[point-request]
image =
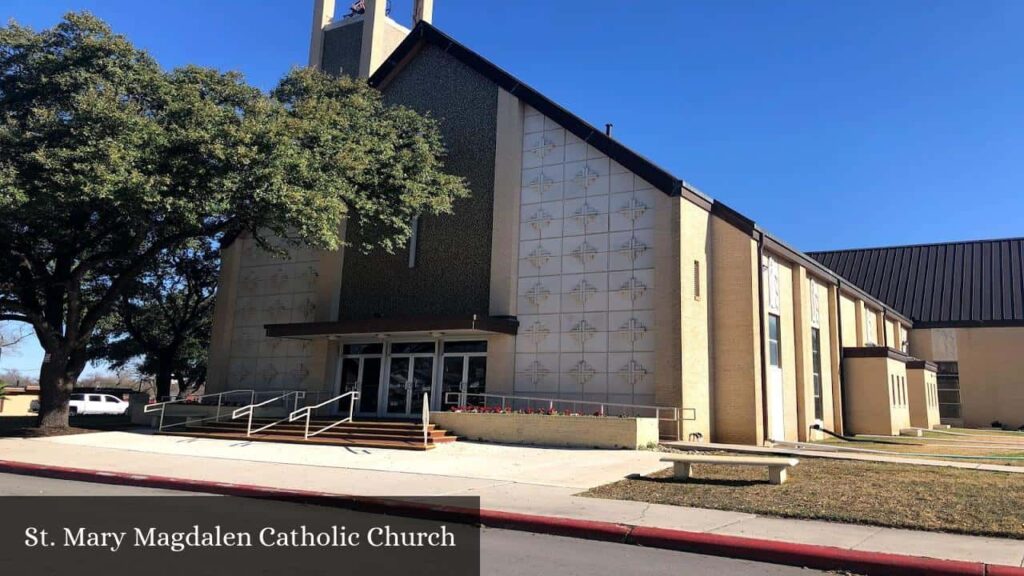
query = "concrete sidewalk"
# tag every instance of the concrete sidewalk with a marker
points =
(528, 480)
(840, 453)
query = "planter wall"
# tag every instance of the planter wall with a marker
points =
(544, 430)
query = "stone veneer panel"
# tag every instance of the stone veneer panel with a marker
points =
(586, 272)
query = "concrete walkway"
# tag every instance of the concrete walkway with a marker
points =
(840, 453)
(514, 479)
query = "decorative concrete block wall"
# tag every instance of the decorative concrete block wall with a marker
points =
(586, 272)
(270, 291)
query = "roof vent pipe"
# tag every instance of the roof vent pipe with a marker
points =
(608, 130)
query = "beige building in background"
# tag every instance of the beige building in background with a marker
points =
(966, 300)
(577, 271)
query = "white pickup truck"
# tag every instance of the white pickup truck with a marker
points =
(91, 404)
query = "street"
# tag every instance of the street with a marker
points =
(504, 552)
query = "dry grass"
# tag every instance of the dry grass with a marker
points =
(942, 449)
(894, 495)
(976, 432)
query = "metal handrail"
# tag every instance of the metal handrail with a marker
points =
(161, 406)
(425, 416)
(673, 413)
(248, 410)
(308, 410)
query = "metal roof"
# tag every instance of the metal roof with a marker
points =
(975, 283)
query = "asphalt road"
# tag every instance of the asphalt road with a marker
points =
(504, 552)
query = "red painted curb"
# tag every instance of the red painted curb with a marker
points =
(588, 529)
(805, 555)
(770, 551)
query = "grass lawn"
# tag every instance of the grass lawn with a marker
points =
(894, 495)
(24, 426)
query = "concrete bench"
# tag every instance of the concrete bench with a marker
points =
(777, 467)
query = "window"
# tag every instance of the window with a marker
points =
(109, 399)
(819, 402)
(870, 332)
(465, 346)
(892, 388)
(774, 341)
(412, 348)
(78, 397)
(948, 389)
(696, 279)
(363, 349)
(414, 233)
(815, 303)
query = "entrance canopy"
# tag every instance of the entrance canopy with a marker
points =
(444, 325)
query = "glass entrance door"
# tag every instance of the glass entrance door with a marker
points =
(360, 371)
(464, 368)
(410, 375)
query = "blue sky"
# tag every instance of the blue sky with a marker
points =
(834, 124)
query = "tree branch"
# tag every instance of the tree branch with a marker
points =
(14, 318)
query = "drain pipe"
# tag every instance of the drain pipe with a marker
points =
(885, 333)
(842, 351)
(760, 321)
(852, 439)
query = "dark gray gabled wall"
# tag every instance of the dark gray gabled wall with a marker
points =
(452, 272)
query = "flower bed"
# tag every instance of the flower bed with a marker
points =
(542, 411)
(548, 428)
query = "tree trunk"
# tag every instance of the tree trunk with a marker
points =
(57, 378)
(164, 373)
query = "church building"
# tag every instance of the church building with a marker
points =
(576, 270)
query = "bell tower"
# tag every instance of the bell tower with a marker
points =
(358, 42)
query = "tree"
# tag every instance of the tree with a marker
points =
(107, 161)
(165, 320)
(11, 335)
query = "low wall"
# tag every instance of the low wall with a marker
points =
(16, 404)
(545, 430)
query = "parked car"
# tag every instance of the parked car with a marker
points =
(90, 404)
(97, 404)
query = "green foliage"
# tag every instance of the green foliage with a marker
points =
(164, 320)
(107, 161)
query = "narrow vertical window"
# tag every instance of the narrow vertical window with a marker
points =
(696, 279)
(414, 233)
(819, 402)
(774, 341)
(892, 388)
(948, 390)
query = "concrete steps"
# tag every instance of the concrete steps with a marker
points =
(366, 434)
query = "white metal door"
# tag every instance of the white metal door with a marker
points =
(776, 405)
